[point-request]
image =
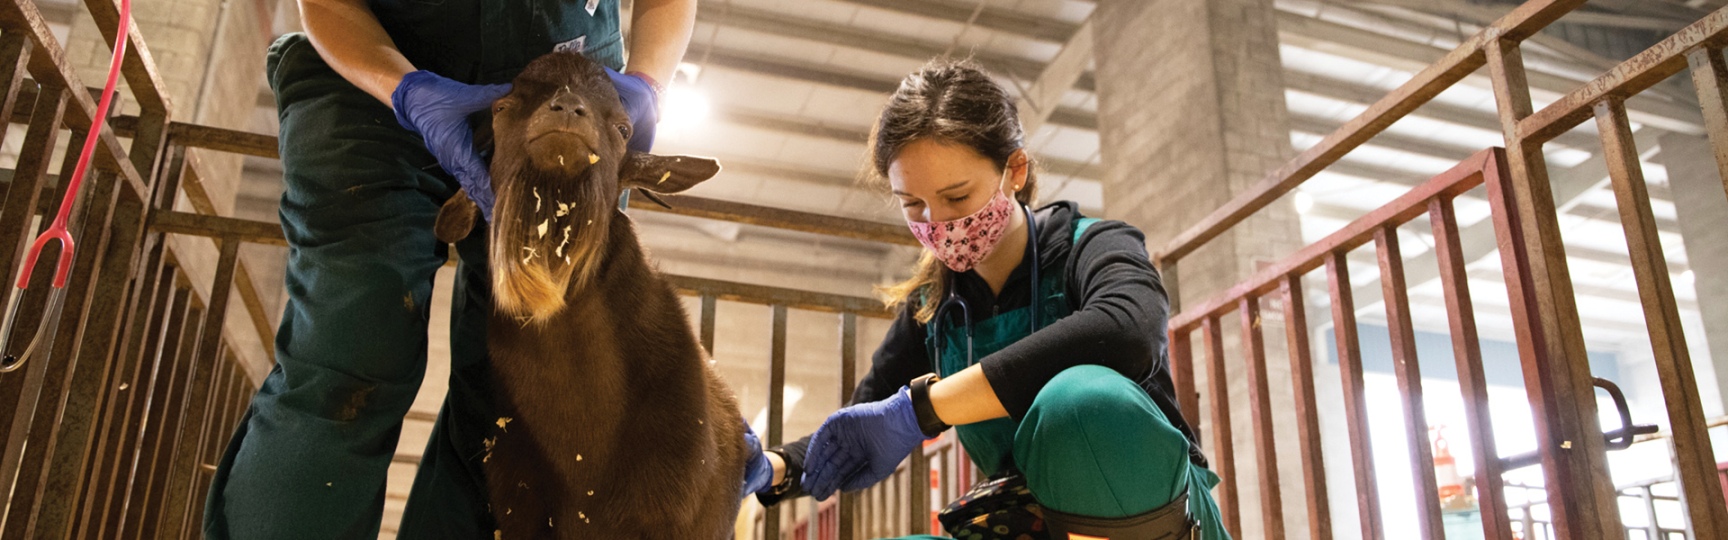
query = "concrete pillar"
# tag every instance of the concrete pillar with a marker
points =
(1191, 114)
(1702, 210)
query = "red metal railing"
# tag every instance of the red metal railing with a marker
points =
(1282, 282)
(1551, 347)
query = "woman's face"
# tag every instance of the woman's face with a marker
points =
(940, 181)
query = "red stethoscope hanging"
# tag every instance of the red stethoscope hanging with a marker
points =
(57, 230)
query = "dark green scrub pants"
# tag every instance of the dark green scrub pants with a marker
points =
(1093, 443)
(310, 458)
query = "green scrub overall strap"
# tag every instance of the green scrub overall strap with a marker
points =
(1080, 226)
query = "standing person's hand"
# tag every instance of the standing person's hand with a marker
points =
(642, 101)
(437, 109)
(858, 446)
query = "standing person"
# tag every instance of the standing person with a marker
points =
(1039, 335)
(373, 100)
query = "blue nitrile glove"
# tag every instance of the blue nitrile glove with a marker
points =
(758, 472)
(437, 109)
(641, 104)
(858, 446)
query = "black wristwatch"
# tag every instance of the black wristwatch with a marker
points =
(928, 422)
(785, 482)
(788, 476)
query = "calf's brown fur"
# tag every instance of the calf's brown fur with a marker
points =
(612, 425)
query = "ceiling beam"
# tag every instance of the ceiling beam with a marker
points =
(781, 23)
(1610, 293)
(1377, 173)
(1485, 15)
(1044, 96)
(793, 125)
(1016, 67)
(1371, 309)
(791, 69)
(1478, 240)
(768, 22)
(1359, 94)
(1612, 213)
(791, 172)
(834, 76)
(1437, 148)
(993, 18)
(1330, 37)
(1614, 257)
(861, 135)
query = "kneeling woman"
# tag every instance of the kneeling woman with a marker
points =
(1037, 334)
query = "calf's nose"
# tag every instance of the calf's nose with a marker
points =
(567, 103)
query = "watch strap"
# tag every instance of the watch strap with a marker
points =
(928, 422)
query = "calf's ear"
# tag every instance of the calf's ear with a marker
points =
(456, 218)
(665, 174)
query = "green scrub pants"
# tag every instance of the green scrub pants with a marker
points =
(1094, 444)
(310, 458)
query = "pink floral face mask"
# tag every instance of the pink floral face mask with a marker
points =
(962, 243)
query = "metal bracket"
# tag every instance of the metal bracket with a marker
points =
(1619, 439)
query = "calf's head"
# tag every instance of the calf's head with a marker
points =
(558, 166)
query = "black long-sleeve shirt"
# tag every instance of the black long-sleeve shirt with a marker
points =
(1119, 318)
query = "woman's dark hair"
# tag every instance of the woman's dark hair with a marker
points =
(955, 102)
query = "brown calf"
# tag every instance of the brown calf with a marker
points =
(612, 425)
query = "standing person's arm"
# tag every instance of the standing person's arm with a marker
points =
(659, 33)
(350, 39)
(348, 36)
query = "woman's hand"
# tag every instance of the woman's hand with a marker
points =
(858, 446)
(758, 471)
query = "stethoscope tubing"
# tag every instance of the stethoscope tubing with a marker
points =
(953, 298)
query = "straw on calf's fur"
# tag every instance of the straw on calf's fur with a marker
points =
(612, 425)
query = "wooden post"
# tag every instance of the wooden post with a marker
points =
(1355, 396)
(1545, 319)
(1307, 411)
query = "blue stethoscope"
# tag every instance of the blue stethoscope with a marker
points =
(954, 298)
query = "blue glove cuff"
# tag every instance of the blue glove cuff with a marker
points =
(398, 98)
(642, 104)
